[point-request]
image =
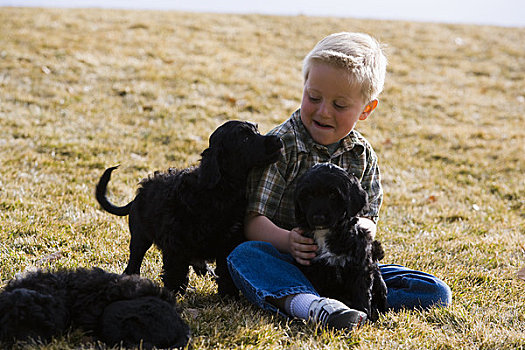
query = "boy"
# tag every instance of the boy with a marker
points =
(343, 76)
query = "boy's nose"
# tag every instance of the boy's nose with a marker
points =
(324, 110)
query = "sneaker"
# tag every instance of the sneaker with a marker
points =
(333, 314)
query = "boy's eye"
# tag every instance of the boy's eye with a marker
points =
(314, 99)
(339, 106)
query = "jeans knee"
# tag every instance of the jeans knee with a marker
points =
(436, 294)
(443, 294)
(248, 248)
(249, 245)
(414, 289)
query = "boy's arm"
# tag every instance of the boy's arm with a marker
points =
(259, 228)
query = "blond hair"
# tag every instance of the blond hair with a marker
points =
(359, 54)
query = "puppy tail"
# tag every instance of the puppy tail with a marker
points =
(100, 194)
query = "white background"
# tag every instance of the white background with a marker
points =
(491, 12)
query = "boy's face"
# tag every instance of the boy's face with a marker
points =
(331, 106)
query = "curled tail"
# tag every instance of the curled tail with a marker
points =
(100, 193)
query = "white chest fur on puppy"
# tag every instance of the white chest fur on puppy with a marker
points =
(323, 253)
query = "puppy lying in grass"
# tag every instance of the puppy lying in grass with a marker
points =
(115, 309)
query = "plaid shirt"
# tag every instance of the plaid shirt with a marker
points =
(271, 189)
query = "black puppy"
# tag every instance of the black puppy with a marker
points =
(196, 214)
(116, 309)
(327, 200)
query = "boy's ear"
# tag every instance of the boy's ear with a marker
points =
(369, 108)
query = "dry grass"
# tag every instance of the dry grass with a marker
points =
(81, 90)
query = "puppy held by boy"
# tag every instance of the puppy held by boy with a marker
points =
(327, 202)
(194, 215)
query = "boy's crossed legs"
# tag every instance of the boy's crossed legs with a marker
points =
(270, 280)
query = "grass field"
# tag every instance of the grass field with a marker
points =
(81, 90)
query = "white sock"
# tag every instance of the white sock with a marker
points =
(298, 305)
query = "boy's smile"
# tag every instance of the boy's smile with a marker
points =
(331, 105)
(325, 126)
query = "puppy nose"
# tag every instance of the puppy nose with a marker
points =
(319, 219)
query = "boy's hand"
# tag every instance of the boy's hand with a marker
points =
(303, 249)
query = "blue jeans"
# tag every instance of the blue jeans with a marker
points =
(260, 271)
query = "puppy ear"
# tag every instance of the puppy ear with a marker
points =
(209, 172)
(299, 215)
(357, 198)
(300, 218)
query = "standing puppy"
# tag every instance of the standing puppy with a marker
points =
(327, 201)
(195, 214)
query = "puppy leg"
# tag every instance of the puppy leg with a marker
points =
(226, 287)
(358, 294)
(175, 274)
(138, 245)
(201, 267)
(379, 292)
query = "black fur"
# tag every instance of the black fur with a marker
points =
(115, 309)
(327, 201)
(196, 214)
